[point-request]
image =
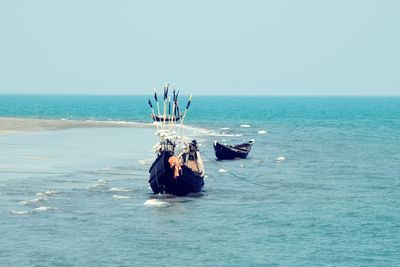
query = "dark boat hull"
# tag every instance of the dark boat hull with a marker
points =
(162, 178)
(229, 152)
(167, 118)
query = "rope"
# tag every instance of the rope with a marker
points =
(235, 175)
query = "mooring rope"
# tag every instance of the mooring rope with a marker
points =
(234, 174)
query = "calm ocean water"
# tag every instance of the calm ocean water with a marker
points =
(334, 200)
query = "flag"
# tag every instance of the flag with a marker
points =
(188, 104)
(155, 96)
(151, 106)
(166, 92)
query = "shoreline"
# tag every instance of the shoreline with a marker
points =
(12, 125)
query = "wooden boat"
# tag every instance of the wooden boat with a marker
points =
(223, 151)
(173, 172)
(171, 179)
(167, 118)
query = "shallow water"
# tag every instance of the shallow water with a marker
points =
(320, 187)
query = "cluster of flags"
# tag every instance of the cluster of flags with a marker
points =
(168, 116)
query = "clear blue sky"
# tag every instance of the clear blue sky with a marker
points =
(337, 47)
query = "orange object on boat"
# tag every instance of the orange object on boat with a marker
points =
(174, 162)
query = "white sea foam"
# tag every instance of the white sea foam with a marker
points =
(221, 170)
(281, 158)
(146, 161)
(43, 208)
(262, 132)
(20, 212)
(99, 183)
(155, 203)
(98, 186)
(245, 126)
(119, 189)
(221, 134)
(33, 201)
(25, 202)
(196, 131)
(120, 197)
(46, 193)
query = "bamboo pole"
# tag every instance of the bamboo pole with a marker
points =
(184, 114)
(152, 113)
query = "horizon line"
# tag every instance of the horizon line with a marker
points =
(216, 95)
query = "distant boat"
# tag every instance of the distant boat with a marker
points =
(167, 118)
(223, 151)
(174, 172)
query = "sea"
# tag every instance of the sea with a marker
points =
(321, 186)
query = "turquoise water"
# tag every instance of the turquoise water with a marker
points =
(334, 200)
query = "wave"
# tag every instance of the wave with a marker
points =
(46, 193)
(100, 184)
(121, 197)
(221, 134)
(155, 203)
(262, 132)
(245, 126)
(33, 201)
(198, 131)
(146, 161)
(118, 189)
(20, 212)
(44, 208)
(281, 158)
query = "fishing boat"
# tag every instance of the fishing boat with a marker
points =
(224, 151)
(167, 118)
(177, 174)
(178, 168)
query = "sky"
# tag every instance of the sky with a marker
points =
(218, 47)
